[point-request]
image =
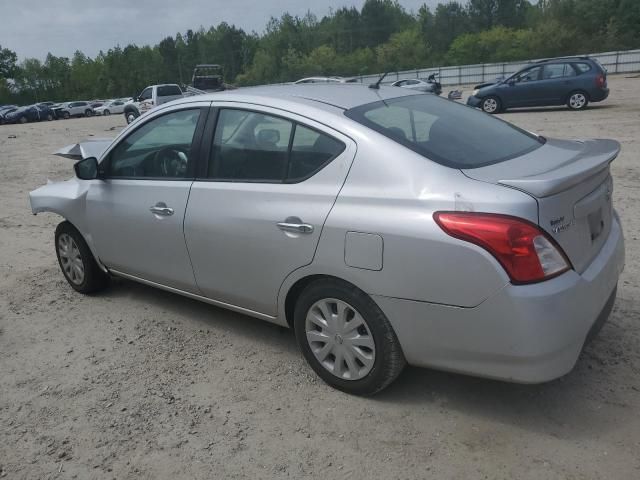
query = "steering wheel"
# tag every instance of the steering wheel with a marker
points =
(171, 161)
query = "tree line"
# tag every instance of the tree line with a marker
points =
(380, 36)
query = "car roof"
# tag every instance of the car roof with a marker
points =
(327, 96)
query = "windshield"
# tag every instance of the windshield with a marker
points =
(444, 131)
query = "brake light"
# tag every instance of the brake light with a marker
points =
(600, 80)
(526, 252)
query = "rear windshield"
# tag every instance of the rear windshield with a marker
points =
(444, 131)
(169, 90)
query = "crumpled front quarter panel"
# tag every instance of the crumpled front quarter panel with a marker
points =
(67, 199)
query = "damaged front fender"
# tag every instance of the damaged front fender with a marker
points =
(69, 200)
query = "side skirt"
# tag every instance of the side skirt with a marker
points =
(210, 301)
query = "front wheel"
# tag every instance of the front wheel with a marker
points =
(23, 120)
(130, 116)
(66, 115)
(491, 105)
(107, 112)
(76, 260)
(88, 113)
(346, 338)
(577, 101)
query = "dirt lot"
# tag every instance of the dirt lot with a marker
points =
(138, 383)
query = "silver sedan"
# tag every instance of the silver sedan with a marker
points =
(385, 227)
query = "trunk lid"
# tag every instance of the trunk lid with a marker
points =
(571, 182)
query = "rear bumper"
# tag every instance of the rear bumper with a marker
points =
(599, 95)
(527, 333)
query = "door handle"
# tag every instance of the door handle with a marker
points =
(161, 209)
(295, 227)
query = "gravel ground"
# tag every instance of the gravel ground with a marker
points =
(139, 383)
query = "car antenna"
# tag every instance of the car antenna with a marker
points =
(376, 86)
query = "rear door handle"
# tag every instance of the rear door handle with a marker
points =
(161, 209)
(295, 227)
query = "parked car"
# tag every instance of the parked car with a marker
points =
(480, 248)
(116, 106)
(149, 98)
(29, 113)
(326, 80)
(431, 85)
(573, 81)
(5, 109)
(45, 111)
(73, 109)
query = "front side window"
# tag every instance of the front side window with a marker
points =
(255, 147)
(448, 133)
(146, 94)
(161, 148)
(530, 75)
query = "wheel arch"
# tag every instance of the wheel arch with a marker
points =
(293, 292)
(577, 90)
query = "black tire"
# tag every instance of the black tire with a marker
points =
(66, 115)
(107, 112)
(49, 117)
(577, 100)
(491, 104)
(389, 360)
(23, 120)
(130, 116)
(88, 113)
(94, 279)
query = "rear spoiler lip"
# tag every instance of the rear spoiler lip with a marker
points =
(594, 158)
(570, 162)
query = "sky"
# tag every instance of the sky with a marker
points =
(32, 28)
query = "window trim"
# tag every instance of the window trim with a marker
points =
(207, 148)
(195, 150)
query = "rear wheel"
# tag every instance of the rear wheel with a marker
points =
(23, 120)
(491, 105)
(577, 100)
(76, 260)
(88, 113)
(66, 115)
(49, 117)
(346, 338)
(107, 112)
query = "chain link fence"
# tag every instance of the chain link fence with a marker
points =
(615, 62)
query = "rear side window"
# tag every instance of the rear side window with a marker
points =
(448, 133)
(582, 67)
(169, 90)
(254, 147)
(558, 70)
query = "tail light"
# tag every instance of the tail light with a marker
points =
(526, 252)
(601, 80)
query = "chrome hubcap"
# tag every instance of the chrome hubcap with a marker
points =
(577, 100)
(70, 259)
(490, 105)
(340, 339)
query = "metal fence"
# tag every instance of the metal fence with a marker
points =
(615, 62)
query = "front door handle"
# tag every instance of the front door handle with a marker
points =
(161, 209)
(295, 227)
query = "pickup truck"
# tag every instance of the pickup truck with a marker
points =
(150, 97)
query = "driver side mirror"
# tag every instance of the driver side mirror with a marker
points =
(511, 82)
(87, 169)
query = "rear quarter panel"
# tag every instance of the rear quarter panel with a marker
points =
(393, 192)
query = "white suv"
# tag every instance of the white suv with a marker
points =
(74, 109)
